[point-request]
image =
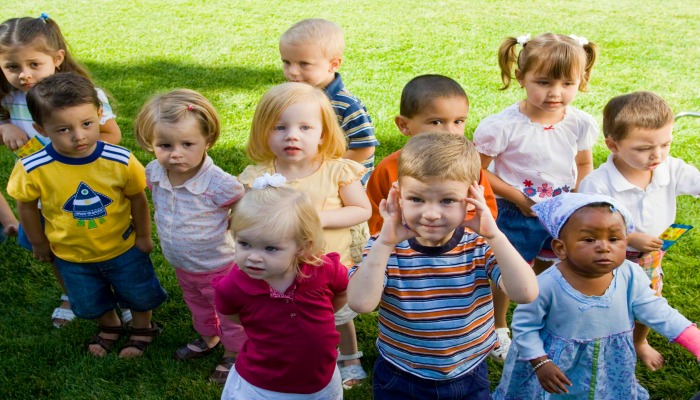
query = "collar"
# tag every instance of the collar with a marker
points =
(433, 251)
(660, 177)
(198, 184)
(75, 161)
(335, 87)
(258, 287)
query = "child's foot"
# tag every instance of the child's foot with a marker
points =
(649, 356)
(62, 314)
(351, 372)
(100, 344)
(500, 352)
(222, 370)
(194, 349)
(139, 339)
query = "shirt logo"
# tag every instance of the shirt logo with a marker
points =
(87, 206)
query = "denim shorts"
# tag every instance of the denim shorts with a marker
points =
(96, 288)
(527, 234)
(391, 383)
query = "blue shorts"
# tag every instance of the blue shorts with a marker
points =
(391, 383)
(527, 234)
(96, 288)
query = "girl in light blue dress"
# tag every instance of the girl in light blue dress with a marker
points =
(575, 339)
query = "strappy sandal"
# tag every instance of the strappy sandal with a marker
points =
(106, 344)
(219, 376)
(65, 314)
(138, 344)
(353, 372)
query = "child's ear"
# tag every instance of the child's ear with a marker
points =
(559, 249)
(335, 64)
(39, 129)
(402, 123)
(58, 58)
(519, 77)
(612, 145)
(99, 112)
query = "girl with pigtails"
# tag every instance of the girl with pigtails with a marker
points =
(539, 147)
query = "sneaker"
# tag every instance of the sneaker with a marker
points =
(500, 352)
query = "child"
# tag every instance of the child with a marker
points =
(575, 340)
(312, 51)
(32, 49)
(642, 177)
(540, 146)
(434, 103)
(192, 198)
(429, 270)
(294, 133)
(96, 213)
(8, 222)
(284, 291)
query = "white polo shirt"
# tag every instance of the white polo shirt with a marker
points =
(653, 209)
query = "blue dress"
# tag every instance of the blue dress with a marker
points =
(588, 337)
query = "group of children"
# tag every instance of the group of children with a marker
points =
(275, 264)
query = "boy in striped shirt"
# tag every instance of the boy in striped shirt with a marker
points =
(429, 270)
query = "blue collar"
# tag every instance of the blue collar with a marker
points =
(335, 87)
(75, 161)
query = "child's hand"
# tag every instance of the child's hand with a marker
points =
(643, 242)
(482, 222)
(144, 243)
(552, 379)
(13, 137)
(393, 230)
(525, 206)
(10, 230)
(42, 251)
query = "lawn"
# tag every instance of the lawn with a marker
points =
(228, 51)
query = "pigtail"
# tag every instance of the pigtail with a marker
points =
(55, 38)
(591, 56)
(507, 58)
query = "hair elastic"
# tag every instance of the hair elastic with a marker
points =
(523, 39)
(579, 39)
(44, 16)
(274, 180)
(190, 107)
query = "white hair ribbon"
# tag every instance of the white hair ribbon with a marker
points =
(523, 39)
(579, 39)
(275, 180)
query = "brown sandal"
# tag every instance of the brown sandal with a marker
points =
(106, 344)
(219, 376)
(141, 345)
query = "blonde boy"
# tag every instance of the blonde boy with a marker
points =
(312, 52)
(640, 174)
(429, 271)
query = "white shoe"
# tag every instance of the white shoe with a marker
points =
(499, 353)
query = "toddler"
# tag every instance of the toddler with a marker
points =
(640, 174)
(429, 271)
(192, 198)
(283, 290)
(97, 221)
(294, 133)
(575, 340)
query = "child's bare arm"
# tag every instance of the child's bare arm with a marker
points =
(141, 218)
(367, 283)
(7, 218)
(340, 300)
(356, 208)
(584, 165)
(30, 216)
(550, 376)
(12, 136)
(505, 190)
(359, 154)
(518, 280)
(643, 242)
(110, 132)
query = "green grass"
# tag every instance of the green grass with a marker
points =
(228, 51)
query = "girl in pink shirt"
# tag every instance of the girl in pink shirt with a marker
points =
(192, 198)
(284, 291)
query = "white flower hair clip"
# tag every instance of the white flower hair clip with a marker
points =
(579, 39)
(275, 180)
(523, 39)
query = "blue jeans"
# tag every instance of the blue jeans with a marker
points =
(391, 383)
(526, 234)
(95, 288)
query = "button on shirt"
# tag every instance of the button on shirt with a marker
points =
(192, 218)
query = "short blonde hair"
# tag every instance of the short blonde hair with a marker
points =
(287, 212)
(173, 107)
(644, 110)
(435, 156)
(272, 105)
(325, 34)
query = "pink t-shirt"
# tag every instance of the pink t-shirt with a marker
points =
(292, 340)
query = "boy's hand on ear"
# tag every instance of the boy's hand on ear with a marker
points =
(482, 222)
(393, 230)
(13, 137)
(643, 242)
